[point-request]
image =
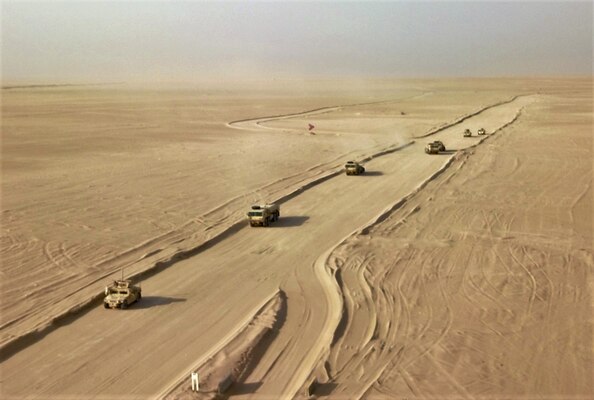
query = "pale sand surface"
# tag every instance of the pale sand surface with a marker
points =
(94, 180)
(478, 285)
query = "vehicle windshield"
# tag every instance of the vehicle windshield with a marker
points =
(255, 213)
(114, 291)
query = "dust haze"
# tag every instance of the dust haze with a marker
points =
(197, 41)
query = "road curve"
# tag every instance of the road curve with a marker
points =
(193, 305)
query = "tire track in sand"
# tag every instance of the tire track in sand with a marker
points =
(379, 355)
(257, 123)
(159, 252)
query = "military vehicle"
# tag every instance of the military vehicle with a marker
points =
(440, 144)
(434, 147)
(263, 215)
(481, 132)
(354, 168)
(467, 133)
(121, 293)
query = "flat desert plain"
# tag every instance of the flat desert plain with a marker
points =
(465, 274)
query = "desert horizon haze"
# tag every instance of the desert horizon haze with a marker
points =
(187, 41)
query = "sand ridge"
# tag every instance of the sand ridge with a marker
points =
(360, 317)
(162, 248)
(420, 281)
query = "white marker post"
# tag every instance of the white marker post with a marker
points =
(195, 386)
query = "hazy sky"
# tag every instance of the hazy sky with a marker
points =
(139, 40)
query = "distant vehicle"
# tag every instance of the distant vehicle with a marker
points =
(263, 215)
(354, 168)
(434, 147)
(440, 144)
(467, 133)
(481, 132)
(121, 293)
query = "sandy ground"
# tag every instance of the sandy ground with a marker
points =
(461, 275)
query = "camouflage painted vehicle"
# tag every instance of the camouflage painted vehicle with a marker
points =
(435, 147)
(263, 215)
(121, 293)
(354, 168)
(467, 133)
(481, 132)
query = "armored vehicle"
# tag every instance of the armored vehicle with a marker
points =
(434, 147)
(354, 168)
(467, 133)
(263, 215)
(440, 144)
(121, 293)
(481, 132)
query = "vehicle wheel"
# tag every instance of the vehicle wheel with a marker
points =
(105, 305)
(124, 305)
(139, 296)
(266, 222)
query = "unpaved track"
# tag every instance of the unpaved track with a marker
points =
(256, 124)
(90, 209)
(480, 285)
(139, 352)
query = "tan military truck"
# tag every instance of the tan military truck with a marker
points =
(121, 293)
(467, 133)
(263, 215)
(434, 147)
(354, 168)
(481, 132)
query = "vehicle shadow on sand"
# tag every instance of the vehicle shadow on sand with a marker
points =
(154, 301)
(325, 389)
(372, 173)
(293, 220)
(245, 388)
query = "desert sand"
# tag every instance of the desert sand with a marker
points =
(466, 274)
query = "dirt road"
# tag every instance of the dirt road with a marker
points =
(194, 305)
(480, 285)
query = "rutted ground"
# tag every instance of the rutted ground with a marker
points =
(97, 180)
(204, 302)
(247, 267)
(480, 284)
